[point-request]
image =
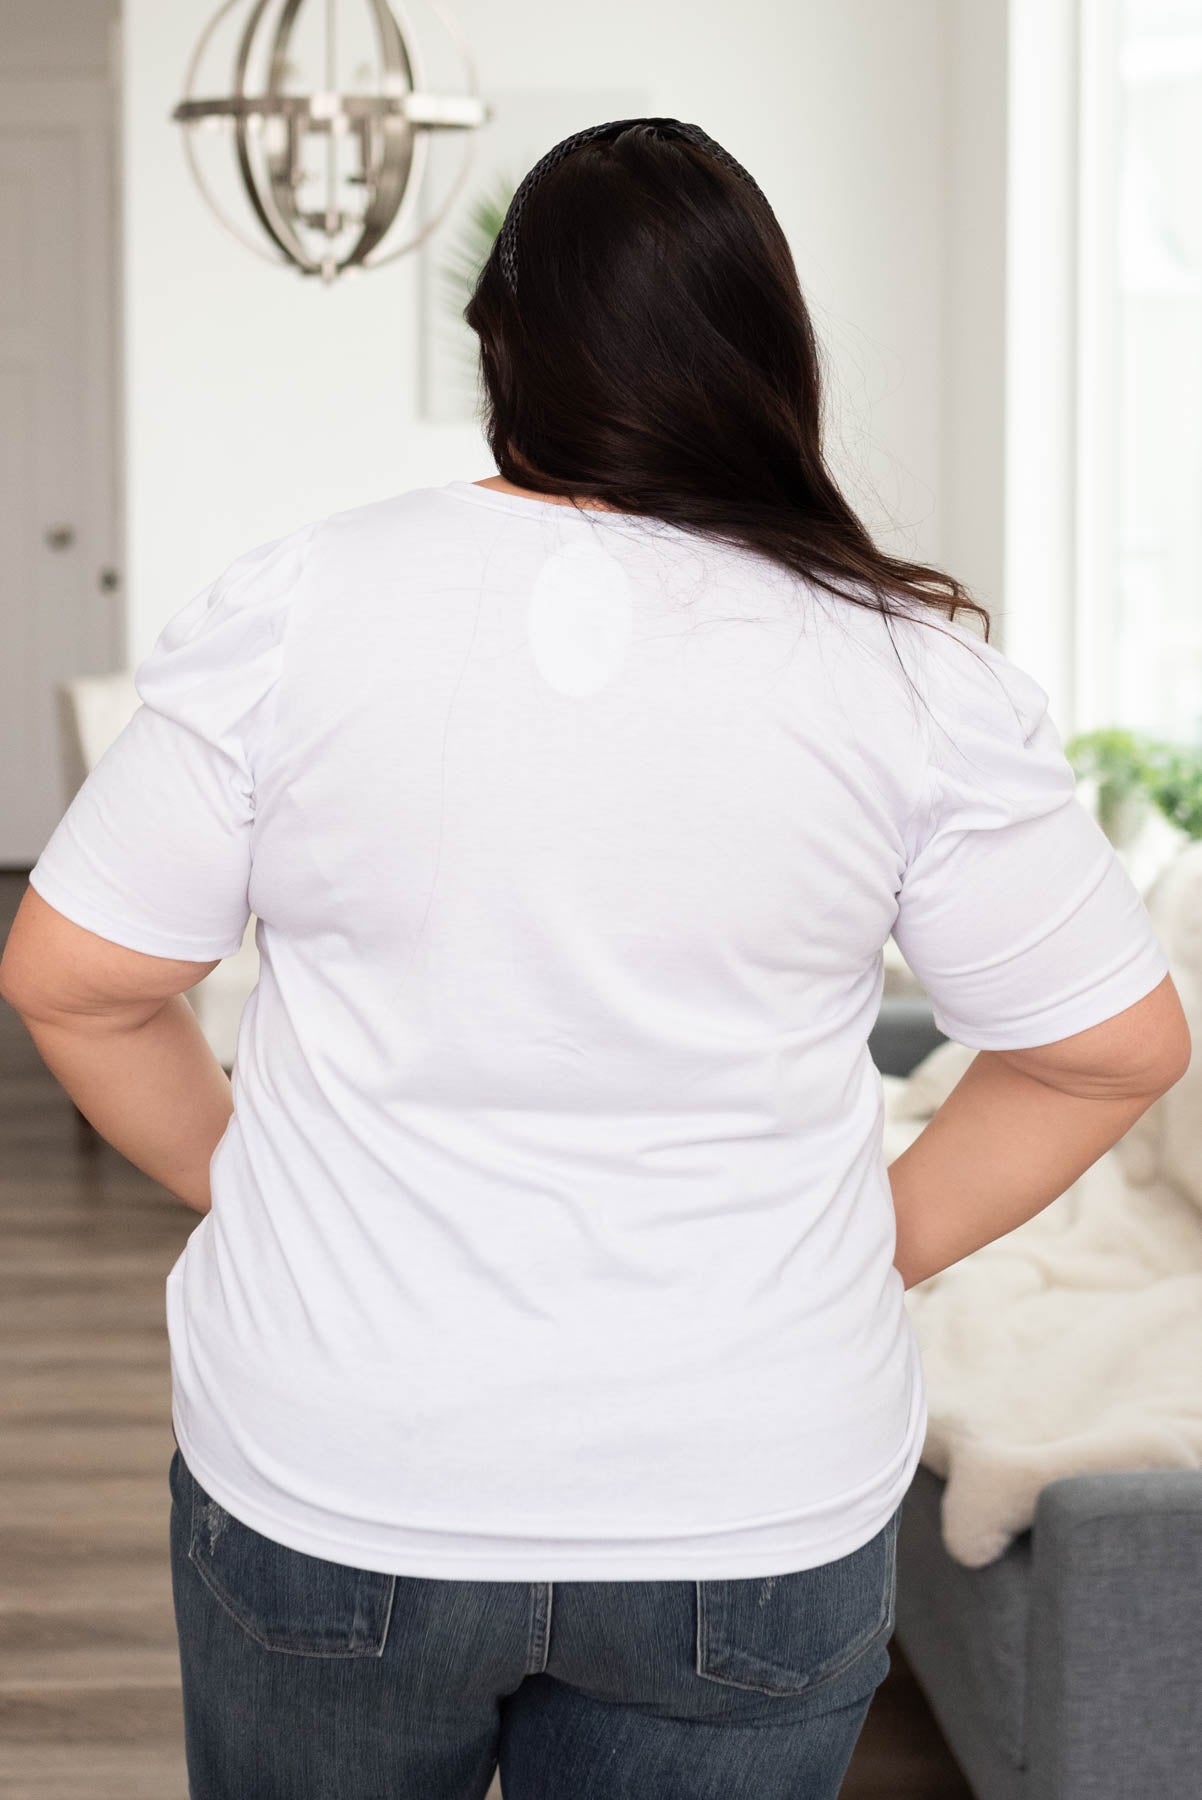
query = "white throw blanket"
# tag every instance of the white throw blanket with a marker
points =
(1074, 1344)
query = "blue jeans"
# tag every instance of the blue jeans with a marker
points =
(310, 1680)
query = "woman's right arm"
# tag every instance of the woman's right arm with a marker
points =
(1022, 1125)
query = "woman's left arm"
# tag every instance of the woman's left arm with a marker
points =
(113, 1027)
(144, 884)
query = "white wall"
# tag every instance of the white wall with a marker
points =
(1042, 341)
(256, 400)
(971, 520)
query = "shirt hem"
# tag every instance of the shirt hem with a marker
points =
(655, 1559)
(1102, 1003)
(561, 1564)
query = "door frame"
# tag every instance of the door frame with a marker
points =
(90, 106)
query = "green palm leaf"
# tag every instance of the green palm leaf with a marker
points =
(475, 239)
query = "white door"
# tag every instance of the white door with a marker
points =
(60, 611)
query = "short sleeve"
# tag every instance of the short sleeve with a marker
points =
(154, 851)
(1015, 912)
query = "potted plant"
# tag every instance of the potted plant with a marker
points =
(1132, 773)
(1173, 778)
(1116, 761)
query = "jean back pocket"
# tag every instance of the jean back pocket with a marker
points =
(284, 1599)
(789, 1634)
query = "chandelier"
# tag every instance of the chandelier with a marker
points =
(329, 168)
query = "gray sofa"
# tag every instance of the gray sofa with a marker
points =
(1070, 1668)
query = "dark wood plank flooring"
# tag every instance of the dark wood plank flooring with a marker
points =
(89, 1680)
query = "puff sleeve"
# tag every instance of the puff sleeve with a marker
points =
(154, 851)
(1015, 912)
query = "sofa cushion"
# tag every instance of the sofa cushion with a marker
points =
(964, 1631)
(905, 1032)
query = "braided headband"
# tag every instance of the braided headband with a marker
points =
(691, 134)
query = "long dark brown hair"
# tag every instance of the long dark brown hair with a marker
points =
(644, 343)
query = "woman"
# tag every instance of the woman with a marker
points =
(543, 1385)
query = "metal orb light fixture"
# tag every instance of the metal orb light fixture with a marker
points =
(328, 173)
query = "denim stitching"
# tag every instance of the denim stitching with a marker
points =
(383, 1645)
(243, 1621)
(186, 1472)
(807, 1684)
(540, 1626)
(550, 1603)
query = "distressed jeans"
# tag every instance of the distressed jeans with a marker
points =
(311, 1680)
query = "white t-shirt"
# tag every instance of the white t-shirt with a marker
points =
(552, 1236)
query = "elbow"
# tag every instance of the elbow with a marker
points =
(1138, 1054)
(24, 982)
(1178, 1055)
(1169, 1046)
(12, 984)
(1163, 1062)
(25, 998)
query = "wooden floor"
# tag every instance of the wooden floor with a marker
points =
(89, 1691)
